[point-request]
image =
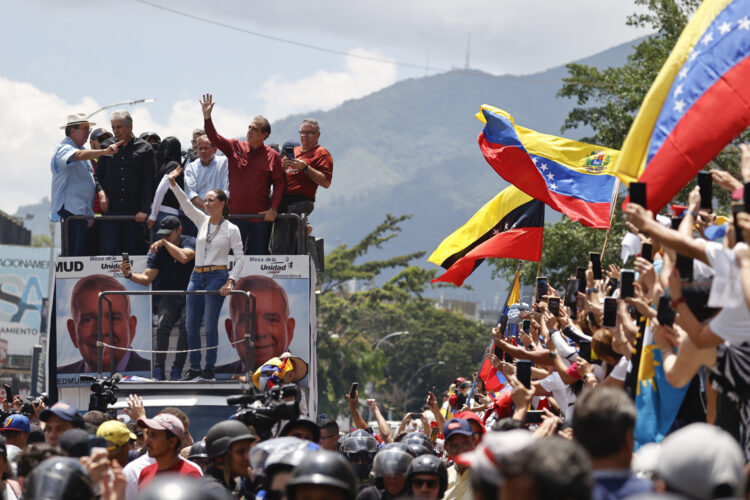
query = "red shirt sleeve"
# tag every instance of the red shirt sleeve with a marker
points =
(225, 145)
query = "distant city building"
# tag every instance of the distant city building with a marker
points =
(12, 231)
(467, 308)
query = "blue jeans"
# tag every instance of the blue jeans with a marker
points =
(207, 308)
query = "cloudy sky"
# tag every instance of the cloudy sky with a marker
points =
(80, 55)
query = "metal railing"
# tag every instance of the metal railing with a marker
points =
(300, 220)
(251, 322)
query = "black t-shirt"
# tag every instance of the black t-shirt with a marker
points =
(173, 275)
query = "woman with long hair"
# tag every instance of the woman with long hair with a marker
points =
(216, 237)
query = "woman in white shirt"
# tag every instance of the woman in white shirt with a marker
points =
(216, 237)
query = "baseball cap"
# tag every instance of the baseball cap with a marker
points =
(169, 224)
(78, 442)
(702, 461)
(163, 422)
(63, 410)
(100, 133)
(457, 426)
(485, 458)
(115, 432)
(16, 422)
(470, 415)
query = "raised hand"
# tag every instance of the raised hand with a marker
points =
(207, 105)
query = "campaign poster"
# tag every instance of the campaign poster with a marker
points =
(284, 287)
(78, 282)
(24, 285)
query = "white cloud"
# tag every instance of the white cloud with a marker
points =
(326, 89)
(29, 131)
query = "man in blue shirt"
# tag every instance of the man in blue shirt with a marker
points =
(205, 173)
(171, 259)
(73, 184)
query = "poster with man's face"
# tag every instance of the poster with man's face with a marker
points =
(125, 320)
(281, 286)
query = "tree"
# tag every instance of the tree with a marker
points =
(40, 240)
(350, 324)
(607, 101)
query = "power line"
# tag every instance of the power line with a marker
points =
(376, 59)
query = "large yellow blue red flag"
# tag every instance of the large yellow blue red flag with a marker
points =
(570, 176)
(698, 103)
(511, 225)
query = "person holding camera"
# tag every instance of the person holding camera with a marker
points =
(306, 167)
(216, 237)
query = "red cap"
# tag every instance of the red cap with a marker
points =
(452, 399)
(470, 416)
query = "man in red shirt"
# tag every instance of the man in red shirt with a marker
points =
(310, 166)
(164, 435)
(253, 169)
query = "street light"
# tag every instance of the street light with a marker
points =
(124, 103)
(394, 334)
(408, 384)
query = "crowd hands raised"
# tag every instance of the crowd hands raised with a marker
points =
(125, 175)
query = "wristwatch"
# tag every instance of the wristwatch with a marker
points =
(304, 169)
(552, 354)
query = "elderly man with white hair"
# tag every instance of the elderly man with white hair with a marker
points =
(127, 177)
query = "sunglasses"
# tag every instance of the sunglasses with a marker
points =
(430, 483)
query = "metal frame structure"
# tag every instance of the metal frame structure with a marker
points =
(251, 321)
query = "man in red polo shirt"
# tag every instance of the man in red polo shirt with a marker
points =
(164, 435)
(253, 169)
(312, 166)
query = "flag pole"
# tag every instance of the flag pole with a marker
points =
(492, 341)
(612, 206)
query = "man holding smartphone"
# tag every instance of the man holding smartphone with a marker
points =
(311, 166)
(172, 257)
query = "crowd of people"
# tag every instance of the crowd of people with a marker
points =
(127, 176)
(618, 383)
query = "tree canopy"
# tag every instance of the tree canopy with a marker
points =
(439, 344)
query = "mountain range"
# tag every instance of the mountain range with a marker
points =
(411, 148)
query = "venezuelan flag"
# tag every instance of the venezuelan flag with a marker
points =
(493, 379)
(570, 176)
(698, 103)
(511, 225)
(656, 401)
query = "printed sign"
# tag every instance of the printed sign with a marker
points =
(125, 319)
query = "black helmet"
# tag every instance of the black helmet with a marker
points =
(221, 436)
(428, 464)
(302, 422)
(175, 487)
(285, 459)
(419, 444)
(198, 450)
(324, 468)
(391, 461)
(59, 478)
(399, 445)
(359, 447)
(359, 441)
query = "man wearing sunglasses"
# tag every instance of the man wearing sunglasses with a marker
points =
(427, 477)
(306, 166)
(73, 184)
